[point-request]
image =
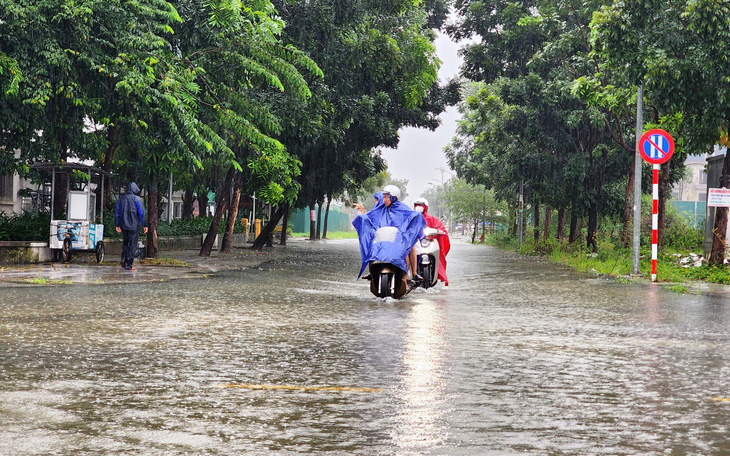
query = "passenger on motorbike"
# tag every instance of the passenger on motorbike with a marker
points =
(388, 211)
(421, 205)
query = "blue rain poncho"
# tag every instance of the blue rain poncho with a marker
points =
(390, 246)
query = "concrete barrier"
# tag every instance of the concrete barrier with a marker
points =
(19, 252)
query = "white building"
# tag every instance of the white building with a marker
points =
(695, 187)
(10, 201)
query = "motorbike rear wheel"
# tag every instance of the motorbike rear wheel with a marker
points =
(384, 285)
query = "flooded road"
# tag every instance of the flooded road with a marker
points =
(518, 356)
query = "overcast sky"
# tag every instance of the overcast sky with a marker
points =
(421, 152)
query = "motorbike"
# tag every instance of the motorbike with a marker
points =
(428, 252)
(386, 279)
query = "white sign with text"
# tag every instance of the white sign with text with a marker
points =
(718, 197)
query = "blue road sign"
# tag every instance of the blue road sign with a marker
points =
(656, 146)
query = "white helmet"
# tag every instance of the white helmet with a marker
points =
(421, 201)
(392, 190)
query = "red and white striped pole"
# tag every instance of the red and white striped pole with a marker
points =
(654, 218)
(656, 147)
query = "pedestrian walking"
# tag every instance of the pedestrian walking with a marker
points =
(129, 217)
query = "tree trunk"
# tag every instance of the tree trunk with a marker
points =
(573, 231)
(719, 238)
(663, 195)
(284, 225)
(717, 255)
(560, 235)
(202, 202)
(60, 195)
(546, 226)
(312, 222)
(319, 220)
(159, 204)
(326, 218)
(628, 212)
(187, 208)
(152, 246)
(536, 222)
(220, 207)
(232, 215)
(260, 241)
(591, 241)
(515, 221)
(474, 231)
(107, 164)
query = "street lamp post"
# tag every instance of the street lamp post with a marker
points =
(443, 200)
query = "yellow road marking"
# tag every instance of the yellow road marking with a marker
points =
(720, 399)
(301, 388)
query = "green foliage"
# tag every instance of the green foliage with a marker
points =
(613, 260)
(10, 75)
(43, 281)
(712, 274)
(679, 289)
(467, 202)
(166, 86)
(27, 226)
(178, 227)
(380, 72)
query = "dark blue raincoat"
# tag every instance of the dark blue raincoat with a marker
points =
(410, 225)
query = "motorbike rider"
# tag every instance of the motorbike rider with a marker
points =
(389, 211)
(421, 205)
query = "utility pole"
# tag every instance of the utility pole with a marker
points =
(637, 180)
(169, 201)
(522, 200)
(443, 200)
(253, 211)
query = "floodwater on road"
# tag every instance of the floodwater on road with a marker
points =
(518, 356)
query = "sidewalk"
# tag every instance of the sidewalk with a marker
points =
(176, 264)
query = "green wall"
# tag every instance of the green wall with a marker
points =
(336, 221)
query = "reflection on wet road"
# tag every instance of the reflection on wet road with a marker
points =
(518, 356)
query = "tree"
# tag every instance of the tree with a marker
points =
(529, 124)
(677, 44)
(472, 204)
(380, 75)
(67, 61)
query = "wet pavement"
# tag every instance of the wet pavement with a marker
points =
(293, 356)
(176, 264)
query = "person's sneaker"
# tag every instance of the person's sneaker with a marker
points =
(418, 278)
(123, 265)
(133, 268)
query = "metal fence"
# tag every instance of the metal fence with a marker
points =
(694, 211)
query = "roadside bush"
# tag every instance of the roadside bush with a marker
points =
(713, 274)
(678, 233)
(544, 247)
(32, 226)
(27, 226)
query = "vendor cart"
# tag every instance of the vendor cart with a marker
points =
(79, 231)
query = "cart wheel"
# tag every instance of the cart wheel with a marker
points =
(66, 251)
(100, 251)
